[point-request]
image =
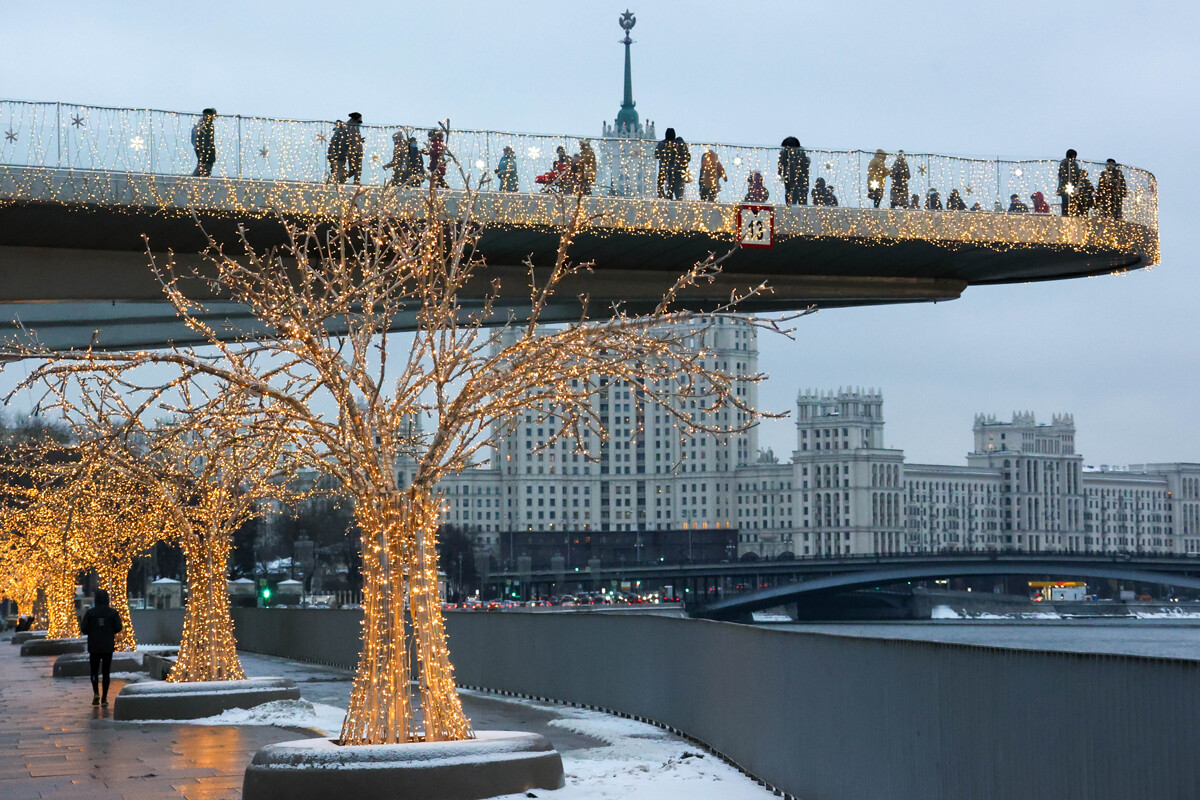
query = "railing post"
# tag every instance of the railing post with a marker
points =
(239, 146)
(58, 131)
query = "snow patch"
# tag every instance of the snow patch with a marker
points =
(763, 616)
(326, 720)
(944, 612)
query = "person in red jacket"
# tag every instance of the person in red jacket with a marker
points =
(100, 624)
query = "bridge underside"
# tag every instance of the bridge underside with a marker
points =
(75, 269)
(739, 607)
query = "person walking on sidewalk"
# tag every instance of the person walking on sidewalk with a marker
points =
(100, 624)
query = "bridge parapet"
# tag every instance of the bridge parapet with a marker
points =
(74, 153)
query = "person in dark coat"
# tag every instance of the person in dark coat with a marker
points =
(822, 195)
(673, 157)
(955, 202)
(756, 190)
(900, 176)
(1017, 206)
(414, 167)
(793, 170)
(337, 152)
(712, 172)
(933, 200)
(354, 148)
(100, 624)
(204, 141)
(914, 202)
(1068, 182)
(1111, 190)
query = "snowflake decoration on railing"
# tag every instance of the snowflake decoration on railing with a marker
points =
(137, 143)
(263, 152)
(10, 135)
(78, 121)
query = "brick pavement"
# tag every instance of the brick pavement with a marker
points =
(55, 744)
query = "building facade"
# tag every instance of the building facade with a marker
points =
(843, 492)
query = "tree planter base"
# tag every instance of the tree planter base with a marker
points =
(21, 637)
(494, 763)
(161, 700)
(53, 647)
(74, 665)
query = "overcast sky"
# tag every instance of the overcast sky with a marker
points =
(1021, 79)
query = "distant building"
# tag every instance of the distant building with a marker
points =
(844, 492)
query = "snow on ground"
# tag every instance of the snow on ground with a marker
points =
(637, 761)
(282, 714)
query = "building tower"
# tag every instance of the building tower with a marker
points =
(850, 485)
(626, 167)
(1041, 494)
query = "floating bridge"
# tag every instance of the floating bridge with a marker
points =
(83, 189)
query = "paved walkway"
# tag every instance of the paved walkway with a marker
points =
(55, 744)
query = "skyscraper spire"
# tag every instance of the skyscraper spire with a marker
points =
(627, 117)
(627, 124)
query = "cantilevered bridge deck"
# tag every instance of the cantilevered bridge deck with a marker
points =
(80, 201)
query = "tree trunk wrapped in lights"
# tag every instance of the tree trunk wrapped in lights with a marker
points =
(114, 579)
(208, 650)
(326, 301)
(399, 594)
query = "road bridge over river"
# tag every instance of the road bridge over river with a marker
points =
(83, 189)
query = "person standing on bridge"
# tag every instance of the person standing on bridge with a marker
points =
(204, 142)
(1110, 190)
(1069, 178)
(900, 176)
(354, 148)
(877, 173)
(100, 624)
(336, 153)
(793, 170)
(672, 155)
(506, 170)
(712, 172)
(399, 158)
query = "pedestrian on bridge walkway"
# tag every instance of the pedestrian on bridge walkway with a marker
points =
(204, 142)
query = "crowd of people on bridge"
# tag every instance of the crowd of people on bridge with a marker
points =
(576, 173)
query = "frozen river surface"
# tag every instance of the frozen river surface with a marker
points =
(1167, 638)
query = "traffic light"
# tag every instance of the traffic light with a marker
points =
(264, 594)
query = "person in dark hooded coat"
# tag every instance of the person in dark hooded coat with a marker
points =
(933, 200)
(955, 202)
(1111, 190)
(900, 176)
(1069, 176)
(354, 148)
(793, 169)
(823, 195)
(204, 141)
(673, 157)
(337, 151)
(100, 624)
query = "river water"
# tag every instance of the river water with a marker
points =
(1176, 637)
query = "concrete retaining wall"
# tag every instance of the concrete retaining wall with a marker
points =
(823, 716)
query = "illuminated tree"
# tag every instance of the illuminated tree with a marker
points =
(114, 520)
(327, 299)
(198, 476)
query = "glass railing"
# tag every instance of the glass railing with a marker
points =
(77, 137)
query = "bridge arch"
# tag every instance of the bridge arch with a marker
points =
(737, 607)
